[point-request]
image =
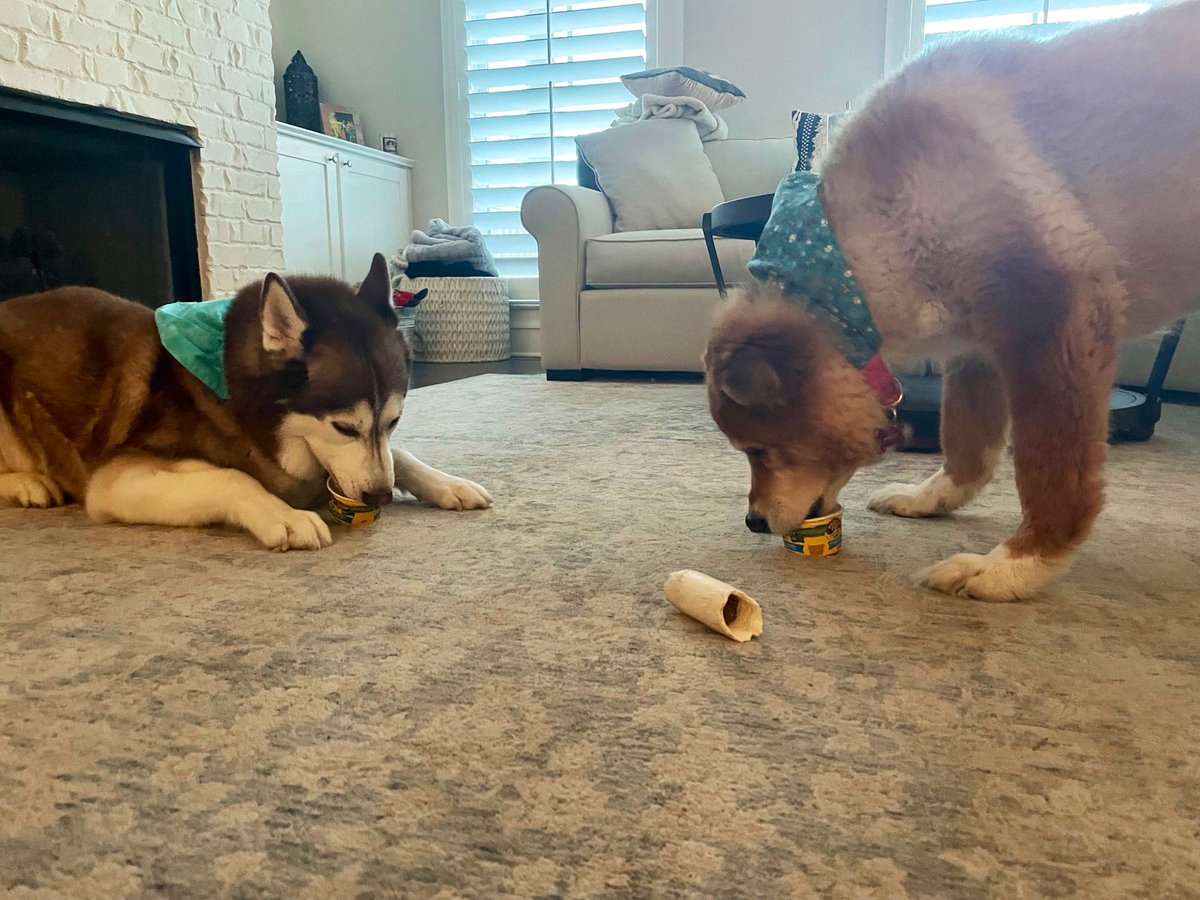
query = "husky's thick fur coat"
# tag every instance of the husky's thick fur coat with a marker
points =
(93, 408)
(1015, 208)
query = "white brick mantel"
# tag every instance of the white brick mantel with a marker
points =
(203, 64)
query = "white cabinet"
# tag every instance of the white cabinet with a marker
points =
(342, 203)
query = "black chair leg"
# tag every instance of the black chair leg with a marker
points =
(714, 261)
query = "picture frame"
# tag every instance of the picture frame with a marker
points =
(389, 144)
(344, 124)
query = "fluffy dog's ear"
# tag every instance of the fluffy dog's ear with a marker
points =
(749, 378)
(376, 288)
(283, 320)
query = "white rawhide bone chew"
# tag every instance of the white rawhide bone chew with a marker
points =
(720, 606)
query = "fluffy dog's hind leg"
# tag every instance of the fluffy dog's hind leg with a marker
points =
(973, 424)
(150, 491)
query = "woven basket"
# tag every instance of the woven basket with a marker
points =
(462, 319)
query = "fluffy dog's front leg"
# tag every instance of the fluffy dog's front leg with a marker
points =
(1058, 379)
(429, 485)
(973, 423)
(150, 491)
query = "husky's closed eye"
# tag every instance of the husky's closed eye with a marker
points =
(342, 428)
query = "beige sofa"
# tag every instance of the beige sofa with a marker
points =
(637, 301)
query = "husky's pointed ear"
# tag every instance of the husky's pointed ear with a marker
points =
(376, 288)
(749, 378)
(283, 320)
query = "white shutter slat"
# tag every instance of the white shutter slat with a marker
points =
(608, 95)
(480, 31)
(500, 127)
(626, 16)
(489, 199)
(478, 9)
(554, 73)
(527, 149)
(507, 222)
(519, 53)
(524, 174)
(512, 245)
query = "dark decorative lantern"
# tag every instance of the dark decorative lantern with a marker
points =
(300, 98)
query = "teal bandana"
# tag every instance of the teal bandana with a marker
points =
(194, 333)
(799, 253)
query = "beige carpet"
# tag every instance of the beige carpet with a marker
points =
(501, 703)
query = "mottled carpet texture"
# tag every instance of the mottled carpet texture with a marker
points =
(501, 703)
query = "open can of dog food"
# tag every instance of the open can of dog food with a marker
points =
(816, 537)
(349, 512)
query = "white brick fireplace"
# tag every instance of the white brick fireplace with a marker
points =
(203, 64)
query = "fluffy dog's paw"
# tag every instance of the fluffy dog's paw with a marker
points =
(457, 493)
(909, 500)
(997, 577)
(30, 490)
(293, 529)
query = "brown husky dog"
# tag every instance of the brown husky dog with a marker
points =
(1016, 208)
(94, 408)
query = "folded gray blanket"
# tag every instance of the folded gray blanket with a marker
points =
(443, 243)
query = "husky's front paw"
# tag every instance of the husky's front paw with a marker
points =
(456, 493)
(293, 529)
(997, 577)
(30, 490)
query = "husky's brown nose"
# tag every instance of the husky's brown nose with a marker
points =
(377, 498)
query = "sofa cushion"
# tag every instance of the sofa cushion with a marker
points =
(676, 257)
(747, 167)
(654, 173)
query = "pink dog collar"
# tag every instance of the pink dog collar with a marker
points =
(889, 391)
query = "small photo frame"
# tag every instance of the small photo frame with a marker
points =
(342, 123)
(389, 144)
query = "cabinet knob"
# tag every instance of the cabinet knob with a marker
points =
(332, 159)
(347, 163)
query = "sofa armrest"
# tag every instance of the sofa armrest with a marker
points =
(563, 218)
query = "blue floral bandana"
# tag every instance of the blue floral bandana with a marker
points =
(194, 333)
(799, 253)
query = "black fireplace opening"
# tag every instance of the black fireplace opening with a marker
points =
(97, 198)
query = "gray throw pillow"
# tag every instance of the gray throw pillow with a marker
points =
(684, 81)
(654, 173)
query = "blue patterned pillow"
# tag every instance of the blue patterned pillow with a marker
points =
(813, 133)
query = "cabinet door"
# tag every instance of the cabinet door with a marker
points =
(376, 212)
(308, 195)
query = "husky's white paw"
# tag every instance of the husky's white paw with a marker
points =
(292, 529)
(451, 492)
(30, 490)
(935, 496)
(996, 577)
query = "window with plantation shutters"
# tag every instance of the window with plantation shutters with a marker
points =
(1044, 16)
(538, 74)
